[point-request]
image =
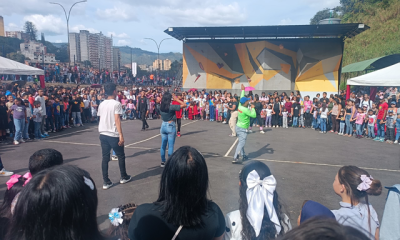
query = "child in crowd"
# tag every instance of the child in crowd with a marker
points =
(256, 220)
(342, 124)
(123, 112)
(390, 124)
(86, 108)
(270, 112)
(301, 118)
(220, 111)
(9, 104)
(263, 115)
(65, 121)
(3, 119)
(132, 109)
(353, 185)
(37, 119)
(152, 105)
(323, 113)
(285, 115)
(93, 107)
(120, 218)
(19, 114)
(29, 111)
(49, 116)
(359, 119)
(225, 106)
(57, 114)
(371, 124)
(207, 111)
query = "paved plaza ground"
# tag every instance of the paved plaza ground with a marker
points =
(304, 162)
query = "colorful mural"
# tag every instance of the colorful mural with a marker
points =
(297, 64)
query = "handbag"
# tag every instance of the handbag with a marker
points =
(177, 232)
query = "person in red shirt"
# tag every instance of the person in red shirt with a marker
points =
(178, 114)
(382, 112)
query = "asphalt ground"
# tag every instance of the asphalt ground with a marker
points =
(303, 161)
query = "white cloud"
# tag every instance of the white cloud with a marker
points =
(79, 27)
(318, 4)
(123, 42)
(213, 14)
(58, 41)
(286, 21)
(29, 7)
(13, 27)
(49, 24)
(121, 12)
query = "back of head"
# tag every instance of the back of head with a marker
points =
(268, 228)
(323, 229)
(58, 203)
(109, 88)
(165, 102)
(43, 159)
(183, 187)
(121, 230)
(9, 195)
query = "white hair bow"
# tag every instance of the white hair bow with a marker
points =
(260, 193)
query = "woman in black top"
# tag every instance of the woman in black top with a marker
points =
(168, 127)
(277, 110)
(258, 108)
(182, 206)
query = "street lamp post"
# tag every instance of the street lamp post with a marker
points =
(158, 52)
(67, 18)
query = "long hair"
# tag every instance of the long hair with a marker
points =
(183, 188)
(350, 177)
(166, 102)
(9, 195)
(58, 203)
(268, 230)
(323, 107)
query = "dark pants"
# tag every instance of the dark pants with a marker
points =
(179, 123)
(275, 119)
(107, 143)
(308, 119)
(1, 164)
(335, 123)
(143, 117)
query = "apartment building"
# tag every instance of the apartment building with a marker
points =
(36, 52)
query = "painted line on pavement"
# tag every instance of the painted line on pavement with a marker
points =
(230, 149)
(83, 130)
(145, 140)
(91, 144)
(321, 164)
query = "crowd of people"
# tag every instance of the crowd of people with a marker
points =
(57, 201)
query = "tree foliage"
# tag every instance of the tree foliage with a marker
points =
(324, 14)
(16, 57)
(30, 29)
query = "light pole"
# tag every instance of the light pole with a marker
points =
(67, 18)
(158, 52)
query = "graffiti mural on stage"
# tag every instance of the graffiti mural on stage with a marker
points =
(305, 65)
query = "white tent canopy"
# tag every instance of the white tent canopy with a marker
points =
(8, 66)
(385, 77)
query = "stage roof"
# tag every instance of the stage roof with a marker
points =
(283, 31)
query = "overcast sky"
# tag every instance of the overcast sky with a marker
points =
(130, 21)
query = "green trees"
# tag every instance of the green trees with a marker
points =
(30, 29)
(324, 14)
(16, 57)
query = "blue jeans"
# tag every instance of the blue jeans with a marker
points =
(212, 113)
(323, 124)
(371, 131)
(242, 136)
(381, 129)
(25, 133)
(49, 121)
(57, 122)
(349, 126)
(168, 134)
(38, 134)
(359, 129)
(77, 118)
(131, 114)
(19, 128)
(65, 120)
(398, 128)
(295, 121)
(342, 125)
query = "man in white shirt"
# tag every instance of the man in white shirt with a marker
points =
(40, 99)
(111, 136)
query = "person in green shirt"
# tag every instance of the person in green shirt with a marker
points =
(244, 115)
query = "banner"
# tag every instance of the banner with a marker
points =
(134, 69)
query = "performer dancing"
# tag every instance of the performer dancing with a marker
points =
(111, 136)
(244, 114)
(142, 106)
(178, 114)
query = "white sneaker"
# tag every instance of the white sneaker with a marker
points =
(16, 142)
(114, 158)
(46, 133)
(273, 126)
(262, 132)
(396, 141)
(5, 173)
(22, 140)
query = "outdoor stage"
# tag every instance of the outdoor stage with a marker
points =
(303, 161)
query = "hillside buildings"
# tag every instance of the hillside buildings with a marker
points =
(162, 64)
(93, 47)
(36, 52)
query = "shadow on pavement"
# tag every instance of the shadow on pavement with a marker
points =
(261, 151)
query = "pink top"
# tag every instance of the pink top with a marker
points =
(124, 101)
(307, 105)
(131, 106)
(360, 118)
